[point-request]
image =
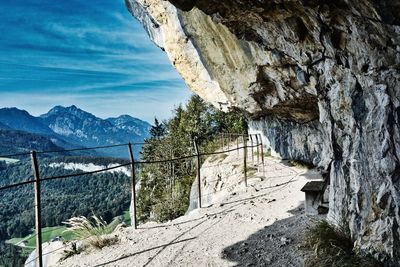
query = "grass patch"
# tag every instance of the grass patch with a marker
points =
(126, 217)
(331, 246)
(14, 241)
(48, 233)
(94, 230)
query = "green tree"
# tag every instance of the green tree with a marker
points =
(157, 130)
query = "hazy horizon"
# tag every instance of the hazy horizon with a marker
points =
(93, 55)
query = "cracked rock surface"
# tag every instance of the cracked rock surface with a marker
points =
(319, 79)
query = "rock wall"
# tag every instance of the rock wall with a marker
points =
(320, 79)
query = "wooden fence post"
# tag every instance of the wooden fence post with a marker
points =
(258, 150)
(252, 148)
(198, 171)
(237, 144)
(38, 223)
(229, 140)
(262, 154)
(262, 149)
(173, 169)
(223, 141)
(133, 189)
(245, 159)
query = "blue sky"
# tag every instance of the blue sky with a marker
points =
(93, 54)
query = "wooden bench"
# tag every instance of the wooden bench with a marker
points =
(314, 191)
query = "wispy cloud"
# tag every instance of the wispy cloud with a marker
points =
(91, 54)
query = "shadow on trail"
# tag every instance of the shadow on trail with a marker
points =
(144, 251)
(274, 245)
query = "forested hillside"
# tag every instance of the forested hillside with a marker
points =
(13, 141)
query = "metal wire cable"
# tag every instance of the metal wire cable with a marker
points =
(64, 176)
(83, 148)
(17, 184)
(166, 160)
(15, 155)
(83, 173)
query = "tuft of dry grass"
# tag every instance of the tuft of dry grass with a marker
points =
(95, 230)
(332, 246)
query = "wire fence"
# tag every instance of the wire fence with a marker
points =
(251, 145)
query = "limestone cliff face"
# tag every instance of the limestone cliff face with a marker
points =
(320, 80)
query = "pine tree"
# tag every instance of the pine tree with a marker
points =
(157, 130)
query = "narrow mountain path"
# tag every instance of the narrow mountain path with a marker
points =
(260, 225)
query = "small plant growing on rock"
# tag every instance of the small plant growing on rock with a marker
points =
(95, 231)
(332, 246)
(75, 249)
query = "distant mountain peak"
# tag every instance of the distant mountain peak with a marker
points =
(85, 129)
(68, 111)
(19, 119)
(125, 116)
(60, 108)
(14, 110)
(129, 121)
(122, 119)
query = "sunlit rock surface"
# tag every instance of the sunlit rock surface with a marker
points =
(319, 79)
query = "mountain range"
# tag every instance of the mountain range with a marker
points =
(66, 128)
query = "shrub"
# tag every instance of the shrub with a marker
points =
(332, 246)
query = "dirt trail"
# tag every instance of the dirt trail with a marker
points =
(258, 226)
